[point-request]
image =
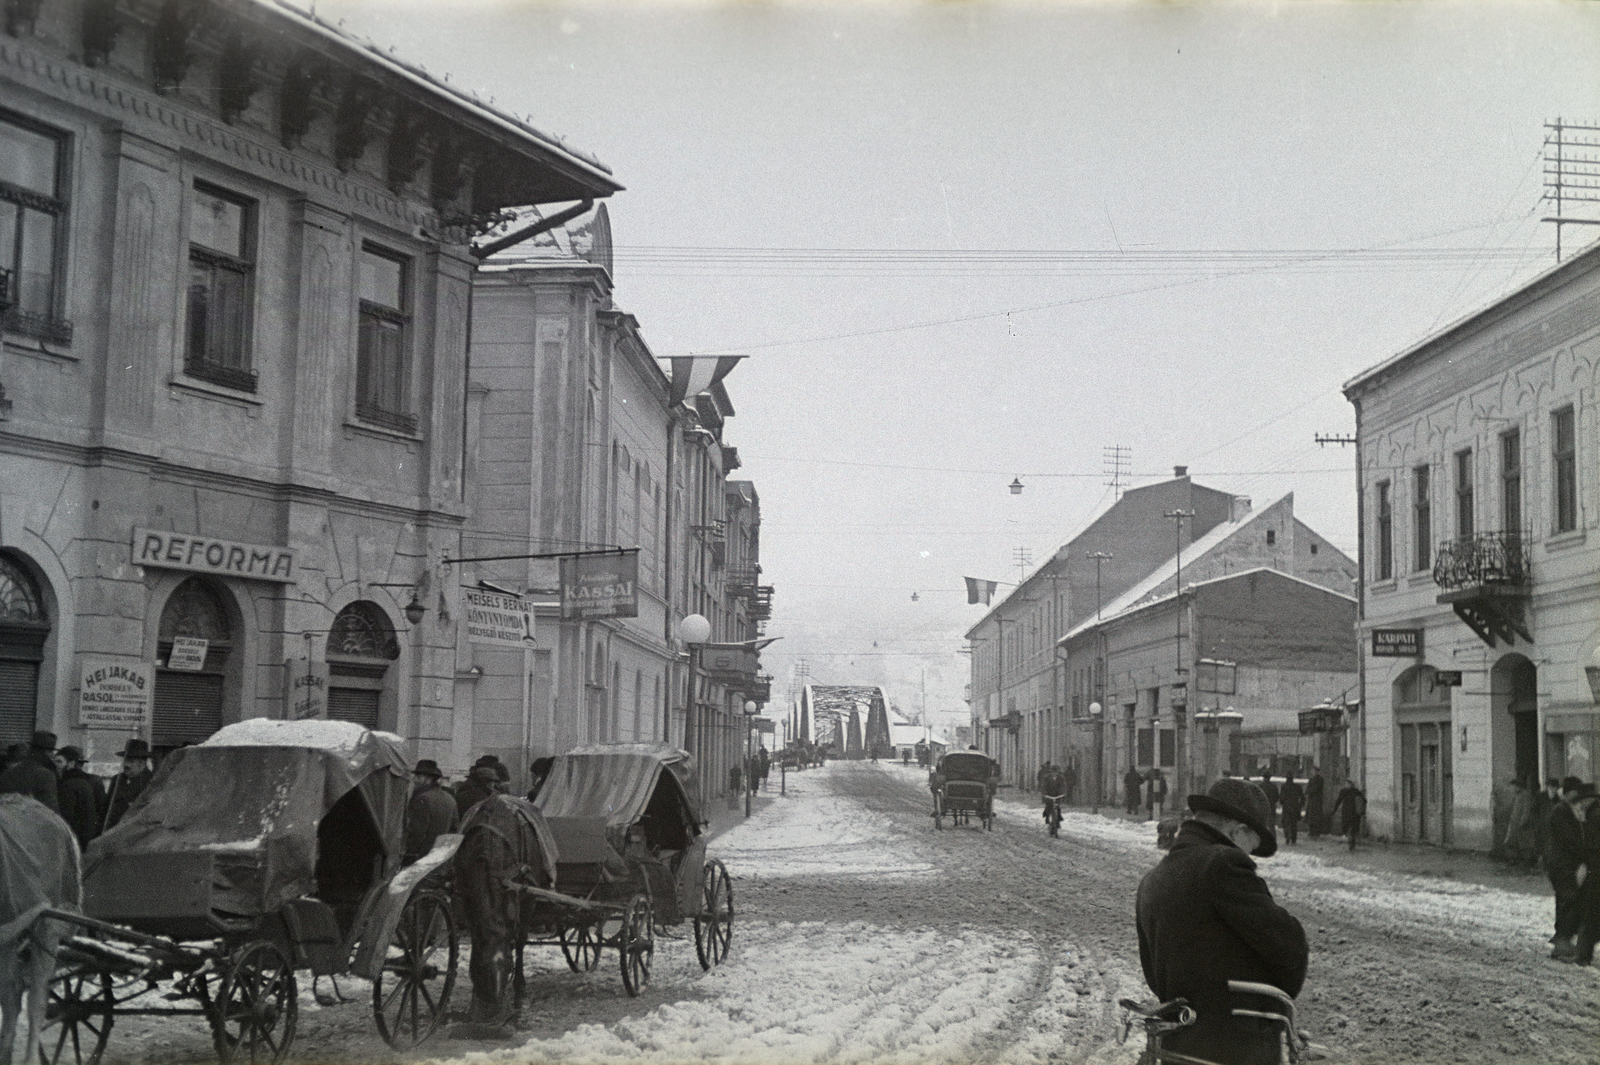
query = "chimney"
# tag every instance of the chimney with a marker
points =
(1240, 509)
(1180, 471)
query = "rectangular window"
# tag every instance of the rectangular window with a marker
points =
(1511, 482)
(1564, 468)
(1384, 553)
(1464, 493)
(221, 249)
(1422, 517)
(383, 358)
(1169, 748)
(1147, 747)
(32, 217)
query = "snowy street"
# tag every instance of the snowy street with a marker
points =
(864, 935)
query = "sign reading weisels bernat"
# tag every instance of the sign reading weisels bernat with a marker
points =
(600, 586)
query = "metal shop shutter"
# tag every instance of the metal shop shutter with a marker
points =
(354, 704)
(188, 708)
(19, 689)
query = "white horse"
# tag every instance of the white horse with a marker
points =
(40, 868)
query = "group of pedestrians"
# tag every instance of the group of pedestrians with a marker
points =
(1571, 857)
(59, 778)
(1148, 789)
(436, 808)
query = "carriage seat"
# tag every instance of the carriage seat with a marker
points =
(583, 848)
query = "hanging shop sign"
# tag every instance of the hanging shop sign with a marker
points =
(115, 694)
(1321, 719)
(188, 654)
(1447, 678)
(202, 554)
(498, 618)
(600, 586)
(305, 689)
(1397, 643)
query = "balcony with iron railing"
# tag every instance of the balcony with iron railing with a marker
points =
(1487, 580)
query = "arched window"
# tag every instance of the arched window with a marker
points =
(24, 625)
(188, 704)
(360, 647)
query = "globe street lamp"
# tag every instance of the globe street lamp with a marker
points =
(750, 710)
(1097, 712)
(694, 631)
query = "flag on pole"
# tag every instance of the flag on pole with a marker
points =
(980, 591)
(694, 374)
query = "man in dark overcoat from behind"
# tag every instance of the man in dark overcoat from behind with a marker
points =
(1205, 917)
(37, 774)
(430, 812)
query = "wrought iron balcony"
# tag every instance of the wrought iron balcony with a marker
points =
(1499, 558)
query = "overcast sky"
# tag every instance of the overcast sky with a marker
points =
(1247, 204)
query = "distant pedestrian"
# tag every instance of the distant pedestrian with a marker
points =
(1584, 808)
(763, 765)
(1350, 806)
(1132, 784)
(1292, 796)
(1520, 844)
(36, 774)
(1069, 783)
(1563, 854)
(1155, 794)
(1270, 790)
(1316, 799)
(129, 784)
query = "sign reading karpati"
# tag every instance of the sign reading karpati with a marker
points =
(115, 694)
(498, 618)
(1396, 643)
(170, 550)
(600, 586)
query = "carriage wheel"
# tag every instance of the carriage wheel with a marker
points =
(713, 929)
(412, 993)
(581, 947)
(254, 1014)
(637, 944)
(77, 1017)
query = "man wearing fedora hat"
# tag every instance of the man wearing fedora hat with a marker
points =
(1206, 917)
(37, 774)
(430, 813)
(130, 783)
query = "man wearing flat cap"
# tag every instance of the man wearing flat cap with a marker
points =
(36, 775)
(1205, 917)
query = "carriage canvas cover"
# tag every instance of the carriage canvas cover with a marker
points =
(616, 781)
(251, 797)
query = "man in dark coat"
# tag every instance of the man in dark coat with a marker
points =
(129, 784)
(1563, 853)
(1270, 790)
(430, 813)
(481, 783)
(1293, 798)
(83, 797)
(37, 774)
(1132, 784)
(1205, 917)
(1585, 803)
(1316, 820)
(538, 773)
(1351, 806)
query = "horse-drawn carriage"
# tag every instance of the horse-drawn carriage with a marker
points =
(963, 788)
(630, 861)
(273, 846)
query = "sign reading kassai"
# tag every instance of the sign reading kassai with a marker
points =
(600, 586)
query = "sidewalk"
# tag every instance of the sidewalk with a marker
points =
(723, 817)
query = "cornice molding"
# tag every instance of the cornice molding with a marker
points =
(52, 75)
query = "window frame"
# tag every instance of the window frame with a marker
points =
(1422, 517)
(370, 407)
(1564, 469)
(241, 374)
(1511, 481)
(1384, 505)
(1465, 501)
(51, 326)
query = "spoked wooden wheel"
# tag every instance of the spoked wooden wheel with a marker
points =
(77, 1017)
(254, 1015)
(637, 943)
(411, 995)
(581, 947)
(713, 929)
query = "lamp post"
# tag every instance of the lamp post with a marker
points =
(750, 709)
(1097, 712)
(694, 631)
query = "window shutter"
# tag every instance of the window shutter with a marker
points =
(188, 708)
(354, 704)
(19, 689)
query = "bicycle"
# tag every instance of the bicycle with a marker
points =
(1160, 1020)
(1052, 814)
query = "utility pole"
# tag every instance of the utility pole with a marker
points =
(1099, 557)
(1571, 172)
(1178, 517)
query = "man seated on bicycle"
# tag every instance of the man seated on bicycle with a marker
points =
(1205, 917)
(1052, 785)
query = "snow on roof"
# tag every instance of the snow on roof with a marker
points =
(341, 737)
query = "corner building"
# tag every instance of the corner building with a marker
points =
(1480, 613)
(234, 287)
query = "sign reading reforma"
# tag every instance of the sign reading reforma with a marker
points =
(1397, 643)
(115, 694)
(600, 586)
(305, 689)
(498, 618)
(170, 550)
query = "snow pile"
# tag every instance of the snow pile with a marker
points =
(339, 737)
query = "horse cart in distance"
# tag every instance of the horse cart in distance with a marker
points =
(963, 788)
(630, 861)
(273, 846)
